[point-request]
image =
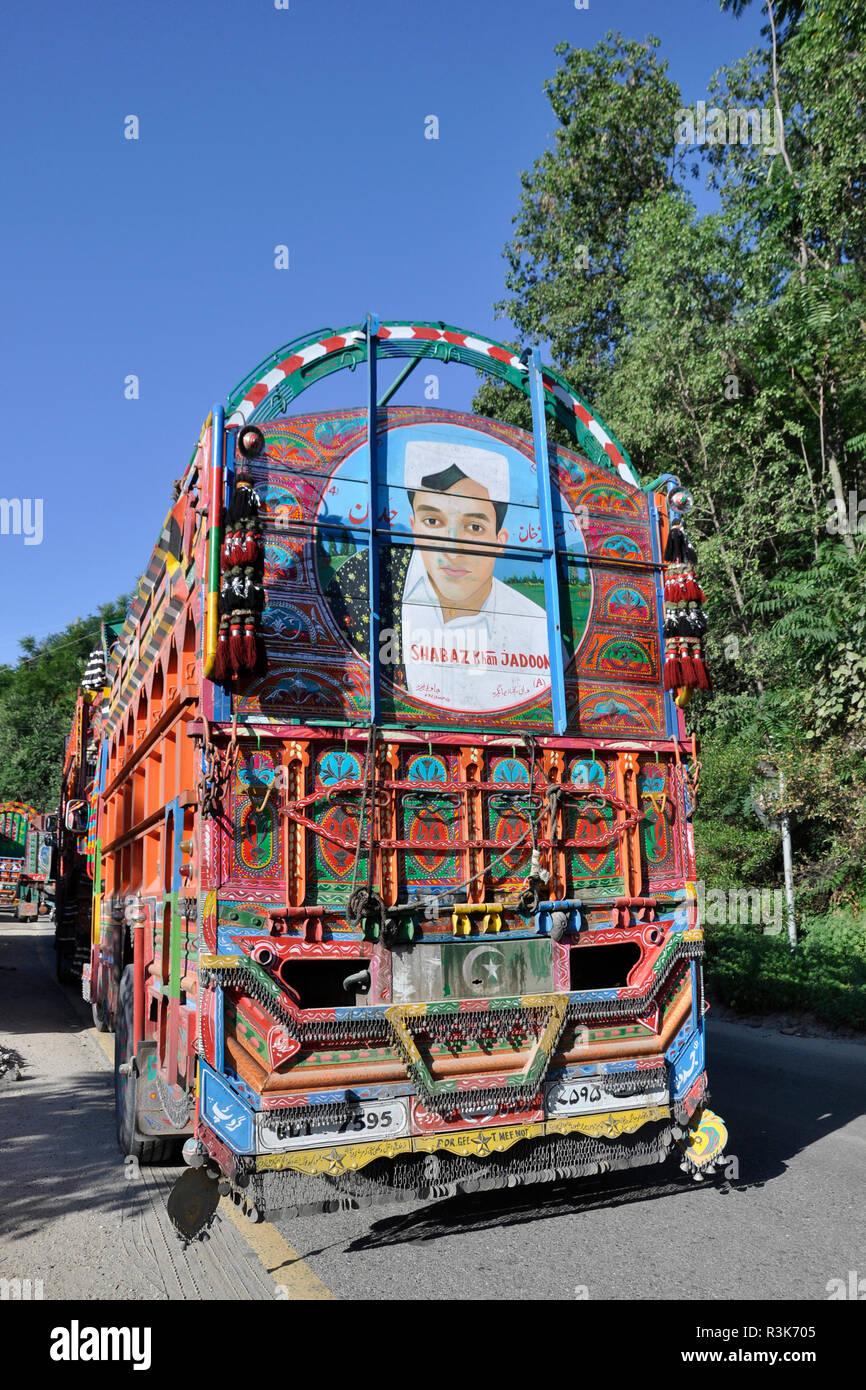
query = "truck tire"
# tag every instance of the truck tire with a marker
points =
(100, 1022)
(146, 1151)
(63, 969)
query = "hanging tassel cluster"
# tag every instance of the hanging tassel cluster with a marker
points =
(685, 621)
(241, 648)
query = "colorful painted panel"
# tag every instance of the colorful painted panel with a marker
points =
(463, 619)
(628, 656)
(610, 709)
(255, 849)
(593, 856)
(664, 844)
(429, 820)
(625, 602)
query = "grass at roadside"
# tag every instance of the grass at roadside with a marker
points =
(825, 975)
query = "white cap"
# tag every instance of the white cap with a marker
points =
(486, 468)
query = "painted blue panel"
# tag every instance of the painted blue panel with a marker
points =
(387, 1091)
(226, 1114)
(226, 943)
(549, 562)
(688, 1066)
(252, 1098)
(593, 1069)
(680, 1041)
(680, 919)
(372, 493)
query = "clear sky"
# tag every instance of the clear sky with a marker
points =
(258, 127)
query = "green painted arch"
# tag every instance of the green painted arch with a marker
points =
(267, 391)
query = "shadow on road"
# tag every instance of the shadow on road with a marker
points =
(31, 999)
(58, 1148)
(777, 1094)
(521, 1206)
(59, 1154)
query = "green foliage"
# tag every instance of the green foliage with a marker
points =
(614, 151)
(37, 700)
(826, 977)
(732, 846)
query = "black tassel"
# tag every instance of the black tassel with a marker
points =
(674, 545)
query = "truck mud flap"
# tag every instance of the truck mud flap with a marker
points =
(162, 1110)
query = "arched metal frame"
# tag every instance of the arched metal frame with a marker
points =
(269, 389)
(266, 393)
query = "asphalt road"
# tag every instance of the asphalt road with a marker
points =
(790, 1221)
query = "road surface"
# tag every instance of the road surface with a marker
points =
(788, 1223)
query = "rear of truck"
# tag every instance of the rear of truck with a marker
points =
(448, 918)
(390, 837)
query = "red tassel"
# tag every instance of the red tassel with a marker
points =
(250, 649)
(692, 590)
(671, 676)
(675, 589)
(220, 667)
(236, 644)
(702, 681)
(687, 666)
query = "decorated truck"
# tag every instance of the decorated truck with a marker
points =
(76, 824)
(26, 860)
(392, 847)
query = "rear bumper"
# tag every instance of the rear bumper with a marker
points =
(411, 1168)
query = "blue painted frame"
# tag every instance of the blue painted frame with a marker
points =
(672, 726)
(548, 541)
(372, 539)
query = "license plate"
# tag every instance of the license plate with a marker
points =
(377, 1119)
(584, 1096)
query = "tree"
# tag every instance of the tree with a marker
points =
(37, 699)
(614, 151)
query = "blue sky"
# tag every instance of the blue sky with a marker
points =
(258, 127)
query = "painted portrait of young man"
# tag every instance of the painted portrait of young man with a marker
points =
(453, 633)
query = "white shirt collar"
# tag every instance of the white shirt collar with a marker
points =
(418, 589)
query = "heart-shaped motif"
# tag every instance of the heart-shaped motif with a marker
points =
(281, 1046)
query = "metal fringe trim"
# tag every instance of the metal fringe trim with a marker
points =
(178, 1113)
(580, 1012)
(432, 1176)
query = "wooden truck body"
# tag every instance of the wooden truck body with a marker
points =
(392, 852)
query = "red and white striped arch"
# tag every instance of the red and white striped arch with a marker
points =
(420, 332)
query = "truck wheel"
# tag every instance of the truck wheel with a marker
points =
(146, 1151)
(99, 1019)
(65, 973)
